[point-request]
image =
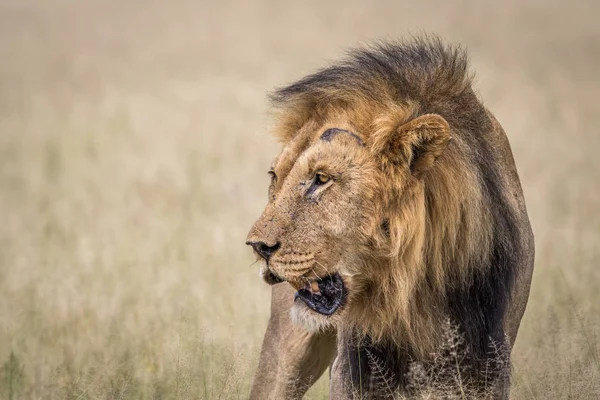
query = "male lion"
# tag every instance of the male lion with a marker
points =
(396, 217)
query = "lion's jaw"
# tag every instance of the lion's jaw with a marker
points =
(322, 294)
(320, 311)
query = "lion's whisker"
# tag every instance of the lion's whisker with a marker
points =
(322, 266)
(314, 273)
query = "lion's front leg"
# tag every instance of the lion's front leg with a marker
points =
(339, 387)
(291, 359)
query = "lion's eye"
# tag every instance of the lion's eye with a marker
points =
(273, 176)
(321, 179)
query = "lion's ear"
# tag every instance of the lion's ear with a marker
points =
(419, 142)
(427, 136)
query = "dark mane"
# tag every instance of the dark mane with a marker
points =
(422, 70)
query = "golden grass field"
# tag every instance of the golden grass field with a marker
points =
(134, 148)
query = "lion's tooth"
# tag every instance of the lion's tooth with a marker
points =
(315, 287)
(307, 286)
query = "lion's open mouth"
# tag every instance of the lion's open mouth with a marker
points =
(324, 295)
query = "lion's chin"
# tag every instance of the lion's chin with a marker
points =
(311, 320)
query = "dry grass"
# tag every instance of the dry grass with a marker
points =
(133, 160)
(449, 375)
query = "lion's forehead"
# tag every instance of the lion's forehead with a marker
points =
(296, 150)
(290, 153)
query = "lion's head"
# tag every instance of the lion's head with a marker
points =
(375, 207)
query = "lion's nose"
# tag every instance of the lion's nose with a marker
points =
(263, 249)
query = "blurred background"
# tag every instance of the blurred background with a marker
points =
(134, 151)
